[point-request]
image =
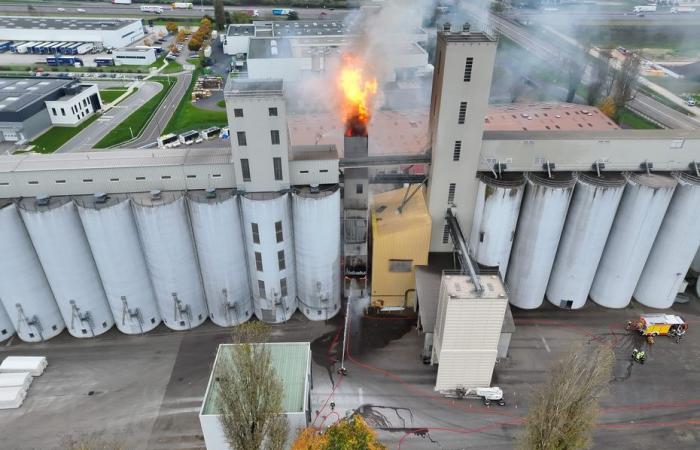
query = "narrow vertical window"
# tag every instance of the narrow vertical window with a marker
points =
(275, 137)
(457, 151)
(280, 260)
(272, 112)
(261, 289)
(468, 69)
(237, 112)
(258, 262)
(462, 113)
(256, 232)
(245, 168)
(283, 287)
(277, 166)
(451, 193)
(242, 141)
(358, 189)
(446, 234)
(278, 231)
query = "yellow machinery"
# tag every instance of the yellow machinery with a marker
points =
(659, 325)
(400, 241)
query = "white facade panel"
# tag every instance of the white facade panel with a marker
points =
(74, 109)
(134, 57)
(216, 224)
(111, 231)
(236, 44)
(270, 215)
(6, 328)
(540, 225)
(636, 224)
(167, 243)
(317, 252)
(673, 249)
(24, 291)
(290, 70)
(495, 218)
(109, 38)
(586, 230)
(65, 255)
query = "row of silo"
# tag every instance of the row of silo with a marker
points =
(609, 236)
(134, 260)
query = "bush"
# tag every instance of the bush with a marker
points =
(171, 27)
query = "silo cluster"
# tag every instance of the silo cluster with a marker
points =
(89, 262)
(607, 236)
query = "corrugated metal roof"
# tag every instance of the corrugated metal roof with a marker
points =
(290, 360)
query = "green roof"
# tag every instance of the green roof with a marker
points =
(290, 361)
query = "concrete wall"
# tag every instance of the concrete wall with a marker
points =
(288, 69)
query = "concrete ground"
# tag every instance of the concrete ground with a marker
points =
(145, 391)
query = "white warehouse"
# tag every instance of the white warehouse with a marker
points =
(111, 33)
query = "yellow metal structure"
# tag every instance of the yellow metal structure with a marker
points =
(400, 241)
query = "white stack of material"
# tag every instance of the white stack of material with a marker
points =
(32, 364)
(12, 379)
(12, 397)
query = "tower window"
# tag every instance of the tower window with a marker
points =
(277, 166)
(272, 112)
(242, 141)
(237, 112)
(261, 289)
(256, 232)
(258, 262)
(462, 113)
(275, 137)
(451, 193)
(283, 287)
(468, 69)
(245, 168)
(457, 151)
(446, 234)
(278, 231)
(280, 260)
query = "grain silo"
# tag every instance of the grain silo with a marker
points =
(58, 237)
(24, 291)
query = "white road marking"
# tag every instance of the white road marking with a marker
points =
(546, 347)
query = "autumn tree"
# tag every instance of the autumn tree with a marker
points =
(607, 107)
(565, 407)
(250, 392)
(181, 36)
(171, 27)
(194, 44)
(626, 80)
(219, 14)
(351, 433)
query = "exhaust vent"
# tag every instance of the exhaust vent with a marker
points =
(314, 189)
(211, 192)
(447, 26)
(466, 27)
(100, 198)
(42, 200)
(155, 194)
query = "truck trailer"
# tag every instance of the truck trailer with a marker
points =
(644, 8)
(281, 12)
(182, 5)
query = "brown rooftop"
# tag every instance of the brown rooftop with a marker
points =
(546, 117)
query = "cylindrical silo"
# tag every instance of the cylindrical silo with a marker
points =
(6, 328)
(695, 265)
(220, 245)
(64, 252)
(541, 221)
(270, 244)
(674, 246)
(495, 218)
(166, 239)
(24, 291)
(111, 231)
(636, 223)
(586, 230)
(316, 217)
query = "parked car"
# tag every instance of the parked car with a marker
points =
(80, 10)
(60, 9)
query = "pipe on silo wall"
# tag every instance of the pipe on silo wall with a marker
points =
(24, 291)
(316, 218)
(219, 239)
(166, 239)
(6, 328)
(636, 223)
(268, 229)
(673, 249)
(588, 223)
(111, 232)
(496, 212)
(63, 250)
(540, 225)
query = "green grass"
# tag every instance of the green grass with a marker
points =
(172, 67)
(137, 120)
(109, 95)
(189, 117)
(221, 103)
(632, 120)
(56, 136)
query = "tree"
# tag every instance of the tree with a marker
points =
(181, 36)
(293, 15)
(250, 392)
(599, 76)
(194, 44)
(565, 408)
(498, 6)
(351, 433)
(607, 107)
(171, 27)
(626, 80)
(219, 14)
(147, 42)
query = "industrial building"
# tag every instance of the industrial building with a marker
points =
(30, 105)
(564, 214)
(294, 49)
(104, 33)
(134, 56)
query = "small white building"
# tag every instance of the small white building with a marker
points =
(237, 38)
(75, 106)
(291, 362)
(134, 57)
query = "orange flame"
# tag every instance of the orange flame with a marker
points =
(357, 89)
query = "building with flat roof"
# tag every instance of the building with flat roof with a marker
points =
(23, 105)
(108, 33)
(134, 56)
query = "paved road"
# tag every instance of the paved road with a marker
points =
(651, 108)
(87, 138)
(108, 9)
(165, 111)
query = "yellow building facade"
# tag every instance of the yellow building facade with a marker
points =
(400, 242)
